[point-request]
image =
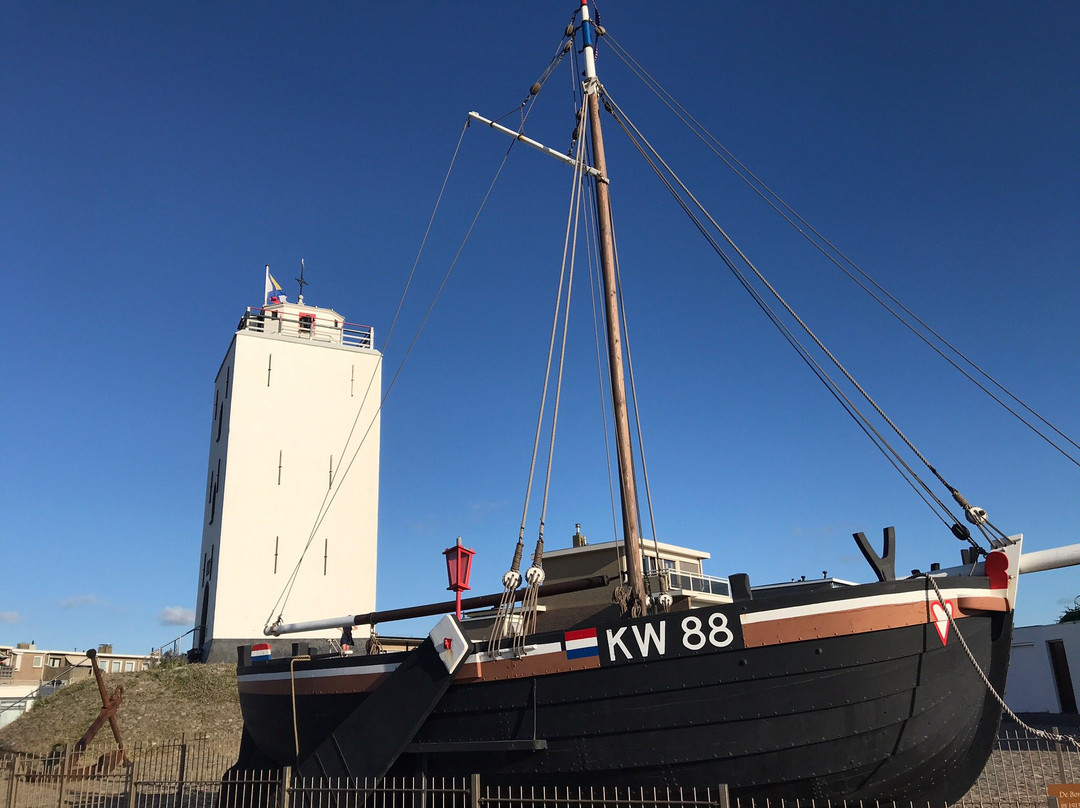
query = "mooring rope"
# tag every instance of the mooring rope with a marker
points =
(292, 683)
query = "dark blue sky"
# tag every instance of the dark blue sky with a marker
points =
(153, 157)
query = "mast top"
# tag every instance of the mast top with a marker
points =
(633, 591)
(588, 42)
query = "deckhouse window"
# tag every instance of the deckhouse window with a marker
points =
(651, 565)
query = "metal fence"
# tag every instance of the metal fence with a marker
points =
(189, 774)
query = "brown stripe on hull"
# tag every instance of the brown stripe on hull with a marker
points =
(974, 605)
(836, 624)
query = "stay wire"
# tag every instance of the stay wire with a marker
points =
(876, 438)
(574, 202)
(569, 244)
(553, 65)
(771, 198)
(332, 493)
(599, 313)
(279, 605)
(599, 320)
(634, 400)
(830, 384)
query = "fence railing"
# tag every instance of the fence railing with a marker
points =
(690, 582)
(189, 774)
(308, 326)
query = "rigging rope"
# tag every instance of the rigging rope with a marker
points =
(1049, 736)
(339, 476)
(774, 201)
(283, 597)
(641, 143)
(599, 313)
(661, 574)
(601, 369)
(535, 575)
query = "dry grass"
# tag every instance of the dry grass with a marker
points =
(160, 704)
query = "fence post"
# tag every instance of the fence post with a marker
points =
(284, 785)
(1060, 756)
(474, 790)
(182, 770)
(722, 794)
(131, 784)
(65, 764)
(11, 782)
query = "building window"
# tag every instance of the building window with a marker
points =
(116, 666)
(651, 565)
(307, 324)
(38, 660)
(55, 662)
(129, 667)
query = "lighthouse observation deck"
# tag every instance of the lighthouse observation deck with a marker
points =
(306, 323)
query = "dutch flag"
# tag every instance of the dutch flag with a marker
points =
(260, 652)
(582, 643)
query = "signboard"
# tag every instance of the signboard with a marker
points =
(1068, 794)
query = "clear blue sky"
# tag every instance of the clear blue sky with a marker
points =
(153, 157)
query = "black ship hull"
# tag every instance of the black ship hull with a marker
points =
(863, 693)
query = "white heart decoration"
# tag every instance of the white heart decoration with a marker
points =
(941, 617)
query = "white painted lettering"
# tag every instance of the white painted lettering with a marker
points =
(693, 637)
(614, 640)
(649, 636)
(721, 635)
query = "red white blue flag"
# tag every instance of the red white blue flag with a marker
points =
(581, 643)
(260, 652)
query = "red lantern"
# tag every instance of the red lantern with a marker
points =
(458, 567)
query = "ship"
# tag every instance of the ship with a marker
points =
(888, 690)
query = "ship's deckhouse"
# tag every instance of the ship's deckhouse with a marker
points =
(295, 380)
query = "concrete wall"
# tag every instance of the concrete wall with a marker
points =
(1031, 687)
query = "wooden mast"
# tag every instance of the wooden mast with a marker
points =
(627, 488)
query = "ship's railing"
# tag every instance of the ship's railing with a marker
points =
(314, 327)
(691, 583)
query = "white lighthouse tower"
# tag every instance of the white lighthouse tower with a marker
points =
(293, 471)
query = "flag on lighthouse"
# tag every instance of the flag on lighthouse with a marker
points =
(272, 290)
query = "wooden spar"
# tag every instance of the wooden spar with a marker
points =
(427, 610)
(627, 487)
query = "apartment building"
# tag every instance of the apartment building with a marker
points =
(28, 673)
